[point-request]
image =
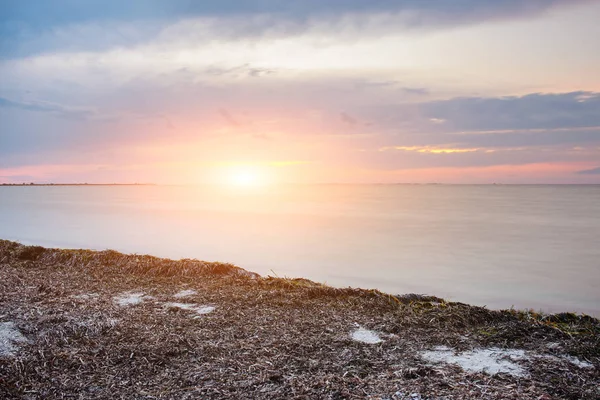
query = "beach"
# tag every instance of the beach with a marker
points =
(86, 324)
(252, 199)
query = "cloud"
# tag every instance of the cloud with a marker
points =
(432, 149)
(593, 171)
(416, 91)
(34, 26)
(290, 110)
(484, 131)
(532, 137)
(78, 113)
(347, 119)
(532, 111)
(227, 116)
(112, 82)
(241, 71)
(72, 11)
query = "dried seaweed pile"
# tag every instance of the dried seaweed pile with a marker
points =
(266, 338)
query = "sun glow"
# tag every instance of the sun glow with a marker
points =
(245, 176)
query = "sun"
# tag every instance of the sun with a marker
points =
(245, 176)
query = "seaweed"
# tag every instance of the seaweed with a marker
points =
(268, 337)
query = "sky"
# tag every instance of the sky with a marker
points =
(311, 91)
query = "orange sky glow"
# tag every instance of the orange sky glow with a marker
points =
(318, 93)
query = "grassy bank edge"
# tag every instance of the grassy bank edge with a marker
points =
(570, 323)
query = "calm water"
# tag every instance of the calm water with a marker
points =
(527, 246)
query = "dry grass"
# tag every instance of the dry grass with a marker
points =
(267, 338)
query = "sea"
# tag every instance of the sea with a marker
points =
(500, 246)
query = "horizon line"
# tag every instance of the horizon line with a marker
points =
(302, 184)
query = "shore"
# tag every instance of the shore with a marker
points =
(86, 324)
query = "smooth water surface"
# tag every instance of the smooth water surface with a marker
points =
(532, 246)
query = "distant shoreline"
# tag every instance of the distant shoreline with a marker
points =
(78, 184)
(309, 184)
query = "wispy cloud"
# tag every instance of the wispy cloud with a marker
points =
(532, 111)
(416, 91)
(432, 150)
(348, 119)
(229, 118)
(276, 163)
(60, 110)
(593, 171)
(245, 70)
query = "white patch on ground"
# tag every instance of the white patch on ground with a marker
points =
(365, 336)
(185, 293)
(573, 360)
(86, 296)
(9, 336)
(192, 307)
(129, 299)
(577, 362)
(408, 396)
(205, 309)
(491, 361)
(183, 306)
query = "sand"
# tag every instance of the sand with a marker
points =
(491, 361)
(198, 309)
(185, 293)
(129, 299)
(10, 337)
(363, 335)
